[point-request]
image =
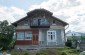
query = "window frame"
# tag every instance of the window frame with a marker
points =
(19, 36)
(50, 34)
(26, 36)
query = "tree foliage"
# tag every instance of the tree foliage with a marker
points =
(6, 34)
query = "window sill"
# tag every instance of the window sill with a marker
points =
(20, 39)
(28, 39)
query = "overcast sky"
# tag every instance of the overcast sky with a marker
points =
(70, 11)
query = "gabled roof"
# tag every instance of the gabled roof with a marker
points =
(39, 10)
(65, 23)
(19, 20)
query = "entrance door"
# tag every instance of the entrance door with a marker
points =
(35, 39)
(51, 36)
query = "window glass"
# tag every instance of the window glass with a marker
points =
(51, 35)
(44, 21)
(26, 22)
(40, 21)
(54, 21)
(28, 35)
(35, 22)
(20, 35)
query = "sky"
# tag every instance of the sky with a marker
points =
(70, 11)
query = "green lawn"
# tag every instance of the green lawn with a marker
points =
(59, 51)
(51, 51)
(68, 51)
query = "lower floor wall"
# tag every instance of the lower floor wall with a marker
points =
(59, 37)
(23, 42)
(41, 38)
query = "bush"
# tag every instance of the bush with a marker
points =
(41, 53)
(68, 43)
(63, 53)
(26, 54)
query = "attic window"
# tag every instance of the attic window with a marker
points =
(54, 23)
(26, 22)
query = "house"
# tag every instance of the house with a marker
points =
(39, 28)
(79, 43)
(70, 33)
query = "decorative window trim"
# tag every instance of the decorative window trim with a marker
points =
(50, 33)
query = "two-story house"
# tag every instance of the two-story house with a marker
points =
(40, 28)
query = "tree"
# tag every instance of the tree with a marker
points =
(6, 34)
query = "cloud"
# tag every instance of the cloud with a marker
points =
(11, 13)
(71, 11)
(55, 5)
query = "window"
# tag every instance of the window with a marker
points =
(34, 22)
(54, 22)
(26, 22)
(51, 36)
(44, 21)
(40, 21)
(20, 35)
(28, 35)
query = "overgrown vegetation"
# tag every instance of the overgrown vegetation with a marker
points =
(68, 51)
(68, 43)
(63, 53)
(6, 35)
(58, 51)
(26, 54)
(17, 52)
(74, 39)
(51, 51)
(41, 53)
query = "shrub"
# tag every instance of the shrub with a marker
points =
(26, 54)
(14, 54)
(63, 53)
(41, 53)
(68, 43)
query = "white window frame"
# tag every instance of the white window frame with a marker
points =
(28, 35)
(19, 36)
(49, 34)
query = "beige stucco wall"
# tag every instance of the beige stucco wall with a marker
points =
(23, 27)
(51, 27)
(56, 27)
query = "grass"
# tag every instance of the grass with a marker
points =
(16, 52)
(68, 51)
(51, 51)
(59, 51)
